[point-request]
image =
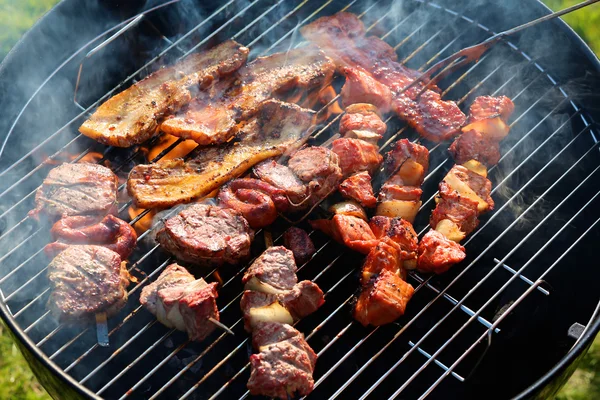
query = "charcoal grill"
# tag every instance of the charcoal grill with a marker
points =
(512, 320)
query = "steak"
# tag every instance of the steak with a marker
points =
(207, 235)
(86, 280)
(77, 189)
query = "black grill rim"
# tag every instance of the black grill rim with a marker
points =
(560, 372)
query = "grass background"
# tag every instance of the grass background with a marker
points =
(16, 380)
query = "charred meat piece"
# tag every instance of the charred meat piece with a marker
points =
(282, 177)
(484, 107)
(384, 256)
(358, 188)
(284, 365)
(132, 116)
(111, 232)
(213, 117)
(462, 182)
(350, 231)
(362, 87)
(460, 210)
(77, 189)
(298, 241)
(86, 280)
(274, 267)
(402, 233)
(342, 37)
(487, 126)
(319, 169)
(473, 145)
(277, 128)
(384, 300)
(207, 235)
(362, 121)
(407, 161)
(437, 253)
(256, 200)
(356, 155)
(180, 301)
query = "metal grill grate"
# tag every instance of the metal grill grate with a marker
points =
(146, 360)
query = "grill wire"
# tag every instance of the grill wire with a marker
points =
(146, 360)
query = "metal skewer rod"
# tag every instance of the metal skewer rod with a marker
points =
(221, 325)
(102, 329)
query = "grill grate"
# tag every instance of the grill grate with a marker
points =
(146, 360)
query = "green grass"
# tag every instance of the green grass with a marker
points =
(16, 379)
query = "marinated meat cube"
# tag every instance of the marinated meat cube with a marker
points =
(111, 232)
(358, 188)
(361, 87)
(285, 362)
(462, 182)
(77, 189)
(274, 267)
(366, 120)
(319, 169)
(460, 210)
(437, 253)
(180, 301)
(350, 231)
(484, 107)
(132, 116)
(356, 155)
(473, 145)
(303, 299)
(207, 235)
(86, 280)
(299, 242)
(258, 201)
(383, 301)
(384, 256)
(407, 162)
(397, 192)
(282, 177)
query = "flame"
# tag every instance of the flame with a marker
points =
(179, 151)
(328, 94)
(145, 222)
(93, 157)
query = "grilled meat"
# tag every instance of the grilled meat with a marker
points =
(180, 301)
(384, 256)
(358, 188)
(485, 107)
(300, 244)
(356, 155)
(406, 165)
(437, 253)
(132, 116)
(350, 231)
(342, 37)
(207, 235)
(460, 210)
(111, 232)
(319, 169)
(284, 365)
(77, 189)
(256, 200)
(282, 177)
(274, 267)
(277, 128)
(384, 300)
(86, 280)
(213, 117)
(462, 182)
(487, 126)
(362, 121)
(362, 87)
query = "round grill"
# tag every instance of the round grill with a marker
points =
(526, 279)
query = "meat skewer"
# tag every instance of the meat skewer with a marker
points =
(272, 301)
(464, 193)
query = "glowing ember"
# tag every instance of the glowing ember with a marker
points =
(144, 223)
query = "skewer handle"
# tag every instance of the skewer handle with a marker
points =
(221, 325)
(102, 329)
